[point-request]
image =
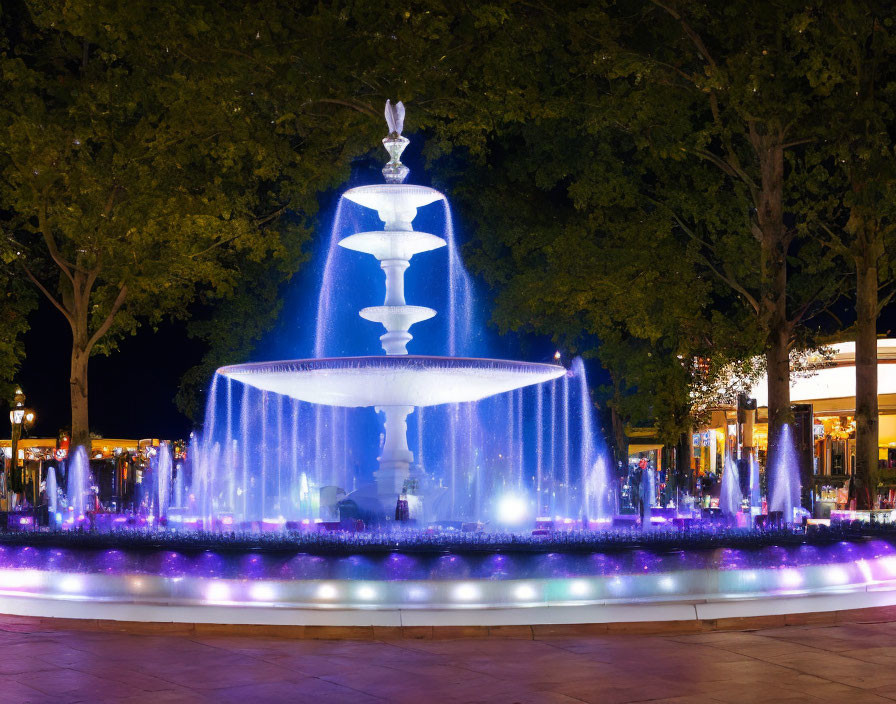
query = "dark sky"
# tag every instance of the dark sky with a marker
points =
(131, 391)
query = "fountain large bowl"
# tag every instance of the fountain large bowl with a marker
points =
(407, 380)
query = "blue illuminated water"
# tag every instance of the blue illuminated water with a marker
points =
(784, 475)
(265, 456)
(731, 497)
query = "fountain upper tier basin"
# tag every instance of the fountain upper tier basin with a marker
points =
(392, 244)
(396, 203)
(407, 380)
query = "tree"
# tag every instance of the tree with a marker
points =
(132, 180)
(724, 119)
(862, 228)
(148, 151)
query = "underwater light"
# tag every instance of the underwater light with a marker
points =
(836, 575)
(579, 588)
(791, 578)
(417, 593)
(667, 584)
(466, 592)
(263, 592)
(525, 592)
(512, 510)
(217, 592)
(366, 593)
(70, 584)
(326, 591)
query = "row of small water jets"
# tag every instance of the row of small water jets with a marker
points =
(71, 489)
(783, 485)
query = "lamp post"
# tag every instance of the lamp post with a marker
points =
(21, 419)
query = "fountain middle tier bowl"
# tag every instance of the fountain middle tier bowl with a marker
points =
(406, 380)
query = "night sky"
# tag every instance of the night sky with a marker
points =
(131, 391)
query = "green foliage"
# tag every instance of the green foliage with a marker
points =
(17, 300)
(637, 202)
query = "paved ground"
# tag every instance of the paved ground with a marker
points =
(850, 663)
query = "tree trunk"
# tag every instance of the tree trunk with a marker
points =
(866, 383)
(777, 356)
(78, 385)
(618, 424)
(773, 280)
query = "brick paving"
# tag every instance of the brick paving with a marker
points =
(845, 662)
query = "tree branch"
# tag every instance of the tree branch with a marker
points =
(44, 225)
(835, 243)
(734, 284)
(217, 244)
(50, 296)
(797, 142)
(881, 304)
(689, 31)
(728, 168)
(803, 309)
(110, 318)
(360, 107)
(726, 277)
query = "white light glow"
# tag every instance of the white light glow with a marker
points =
(18, 579)
(70, 585)
(667, 584)
(366, 593)
(525, 592)
(417, 593)
(466, 592)
(790, 578)
(512, 509)
(326, 591)
(836, 575)
(263, 592)
(216, 592)
(865, 569)
(579, 588)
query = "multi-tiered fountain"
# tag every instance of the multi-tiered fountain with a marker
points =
(267, 446)
(397, 383)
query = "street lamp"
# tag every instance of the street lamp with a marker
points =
(21, 418)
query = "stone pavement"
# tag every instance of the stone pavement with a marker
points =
(849, 662)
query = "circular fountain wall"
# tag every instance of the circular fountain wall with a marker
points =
(461, 588)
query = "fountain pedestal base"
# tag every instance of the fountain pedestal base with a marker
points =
(395, 460)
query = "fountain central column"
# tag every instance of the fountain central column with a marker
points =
(395, 461)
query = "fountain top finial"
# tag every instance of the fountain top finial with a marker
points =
(395, 171)
(395, 118)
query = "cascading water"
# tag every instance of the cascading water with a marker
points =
(78, 481)
(52, 493)
(163, 479)
(271, 448)
(731, 498)
(784, 476)
(755, 489)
